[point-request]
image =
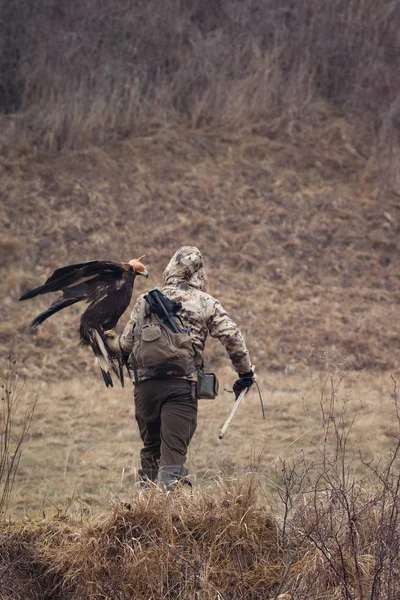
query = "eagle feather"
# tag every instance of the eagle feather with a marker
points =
(106, 287)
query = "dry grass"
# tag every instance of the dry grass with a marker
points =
(299, 248)
(163, 546)
(301, 242)
(14, 428)
(83, 449)
(316, 525)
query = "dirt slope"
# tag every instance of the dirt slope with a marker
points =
(298, 227)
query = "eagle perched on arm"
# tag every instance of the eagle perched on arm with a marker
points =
(107, 287)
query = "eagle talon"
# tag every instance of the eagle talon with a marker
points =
(110, 333)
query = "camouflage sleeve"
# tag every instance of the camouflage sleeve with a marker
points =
(126, 337)
(221, 326)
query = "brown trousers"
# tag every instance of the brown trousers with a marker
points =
(166, 413)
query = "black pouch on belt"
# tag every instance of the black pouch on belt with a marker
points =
(207, 386)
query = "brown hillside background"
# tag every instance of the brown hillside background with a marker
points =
(300, 241)
(266, 133)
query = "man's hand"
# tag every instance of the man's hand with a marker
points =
(111, 340)
(245, 381)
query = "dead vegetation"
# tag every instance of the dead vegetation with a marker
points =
(316, 531)
(89, 73)
(171, 546)
(14, 429)
(266, 133)
(298, 246)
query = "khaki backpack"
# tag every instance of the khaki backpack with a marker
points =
(157, 351)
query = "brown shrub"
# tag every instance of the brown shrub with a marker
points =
(220, 542)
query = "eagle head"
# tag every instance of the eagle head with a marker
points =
(139, 267)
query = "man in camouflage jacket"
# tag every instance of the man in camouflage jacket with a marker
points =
(166, 406)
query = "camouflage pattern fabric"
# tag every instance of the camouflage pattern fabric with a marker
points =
(202, 315)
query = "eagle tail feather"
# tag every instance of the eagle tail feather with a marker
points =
(104, 371)
(107, 379)
(121, 372)
(104, 359)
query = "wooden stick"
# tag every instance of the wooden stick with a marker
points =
(231, 414)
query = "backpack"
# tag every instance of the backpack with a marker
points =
(161, 348)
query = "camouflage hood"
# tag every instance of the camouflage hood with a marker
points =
(186, 266)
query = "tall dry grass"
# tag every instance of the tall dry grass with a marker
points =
(79, 73)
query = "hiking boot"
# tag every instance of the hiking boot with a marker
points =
(147, 477)
(172, 476)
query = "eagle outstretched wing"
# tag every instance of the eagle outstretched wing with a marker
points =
(106, 287)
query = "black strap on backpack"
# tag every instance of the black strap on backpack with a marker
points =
(165, 309)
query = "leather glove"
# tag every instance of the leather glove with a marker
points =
(245, 380)
(111, 340)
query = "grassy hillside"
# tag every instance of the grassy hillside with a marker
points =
(264, 132)
(299, 234)
(87, 73)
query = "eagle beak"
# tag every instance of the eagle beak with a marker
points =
(145, 273)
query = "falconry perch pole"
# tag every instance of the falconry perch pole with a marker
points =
(232, 413)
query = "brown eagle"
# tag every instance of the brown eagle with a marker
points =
(107, 287)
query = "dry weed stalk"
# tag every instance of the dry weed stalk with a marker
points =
(340, 532)
(13, 430)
